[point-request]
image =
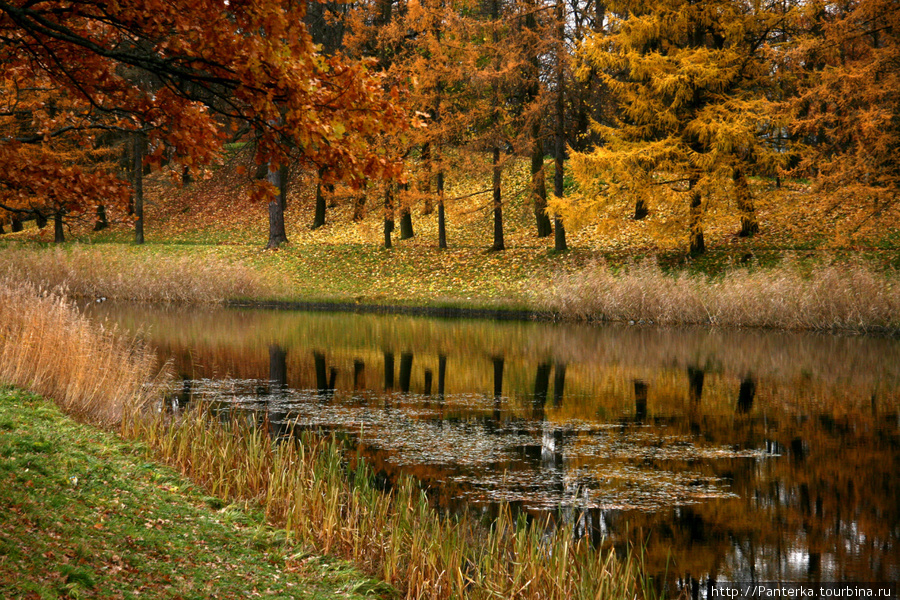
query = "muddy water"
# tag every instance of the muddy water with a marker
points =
(735, 455)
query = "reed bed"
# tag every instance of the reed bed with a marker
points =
(838, 296)
(117, 273)
(47, 347)
(305, 484)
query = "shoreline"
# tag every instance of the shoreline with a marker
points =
(524, 315)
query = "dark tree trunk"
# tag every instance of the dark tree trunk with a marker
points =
(406, 224)
(640, 210)
(102, 221)
(2, 231)
(58, 235)
(388, 213)
(425, 186)
(697, 246)
(559, 238)
(442, 217)
(539, 183)
(186, 177)
(498, 204)
(745, 205)
(39, 219)
(138, 173)
(16, 225)
(319, 219)
(277, 234)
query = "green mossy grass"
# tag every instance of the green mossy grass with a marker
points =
(88, 515)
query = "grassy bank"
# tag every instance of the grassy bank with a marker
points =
(85, 515)
(796, 291)
(303, 486)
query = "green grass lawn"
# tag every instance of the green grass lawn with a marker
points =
(84, 514)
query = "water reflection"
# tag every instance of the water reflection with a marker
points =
(737, 455)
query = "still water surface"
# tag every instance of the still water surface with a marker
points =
(734, 455)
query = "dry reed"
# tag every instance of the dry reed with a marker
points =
(116, 273)
(306, 486)
(849, 297)
(47, 347)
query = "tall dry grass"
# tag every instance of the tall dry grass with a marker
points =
(849, 296)
(48, 347)
(306, 486)
(116, 273)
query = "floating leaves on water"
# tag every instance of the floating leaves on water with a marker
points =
(487, 454)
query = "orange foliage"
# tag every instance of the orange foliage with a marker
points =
(185, 74)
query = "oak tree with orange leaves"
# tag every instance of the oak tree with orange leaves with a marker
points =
(215, 67)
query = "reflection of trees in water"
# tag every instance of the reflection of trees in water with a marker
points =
(825, 507)
(855, 360)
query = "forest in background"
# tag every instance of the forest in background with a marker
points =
(676, 113)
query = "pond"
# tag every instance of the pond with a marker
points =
(733, 455)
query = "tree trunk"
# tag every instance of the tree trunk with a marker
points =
(138, 172)
(425, 185)
(697, 246)
(388, 213)
(406, 225)
(186, 177)
(359, 205)
(498, 205)
(319, 219)
(277, 234)
(16, 225)
(58, 235)
(39, 219)
(442, 218)
(640, 210)
(559, 239)
(102, 221)
(539, 183)
(749, 224)
(2, 231)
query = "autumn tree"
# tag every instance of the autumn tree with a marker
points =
(844, 112)
(55, 175)
(691, 80)
(251, 63)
